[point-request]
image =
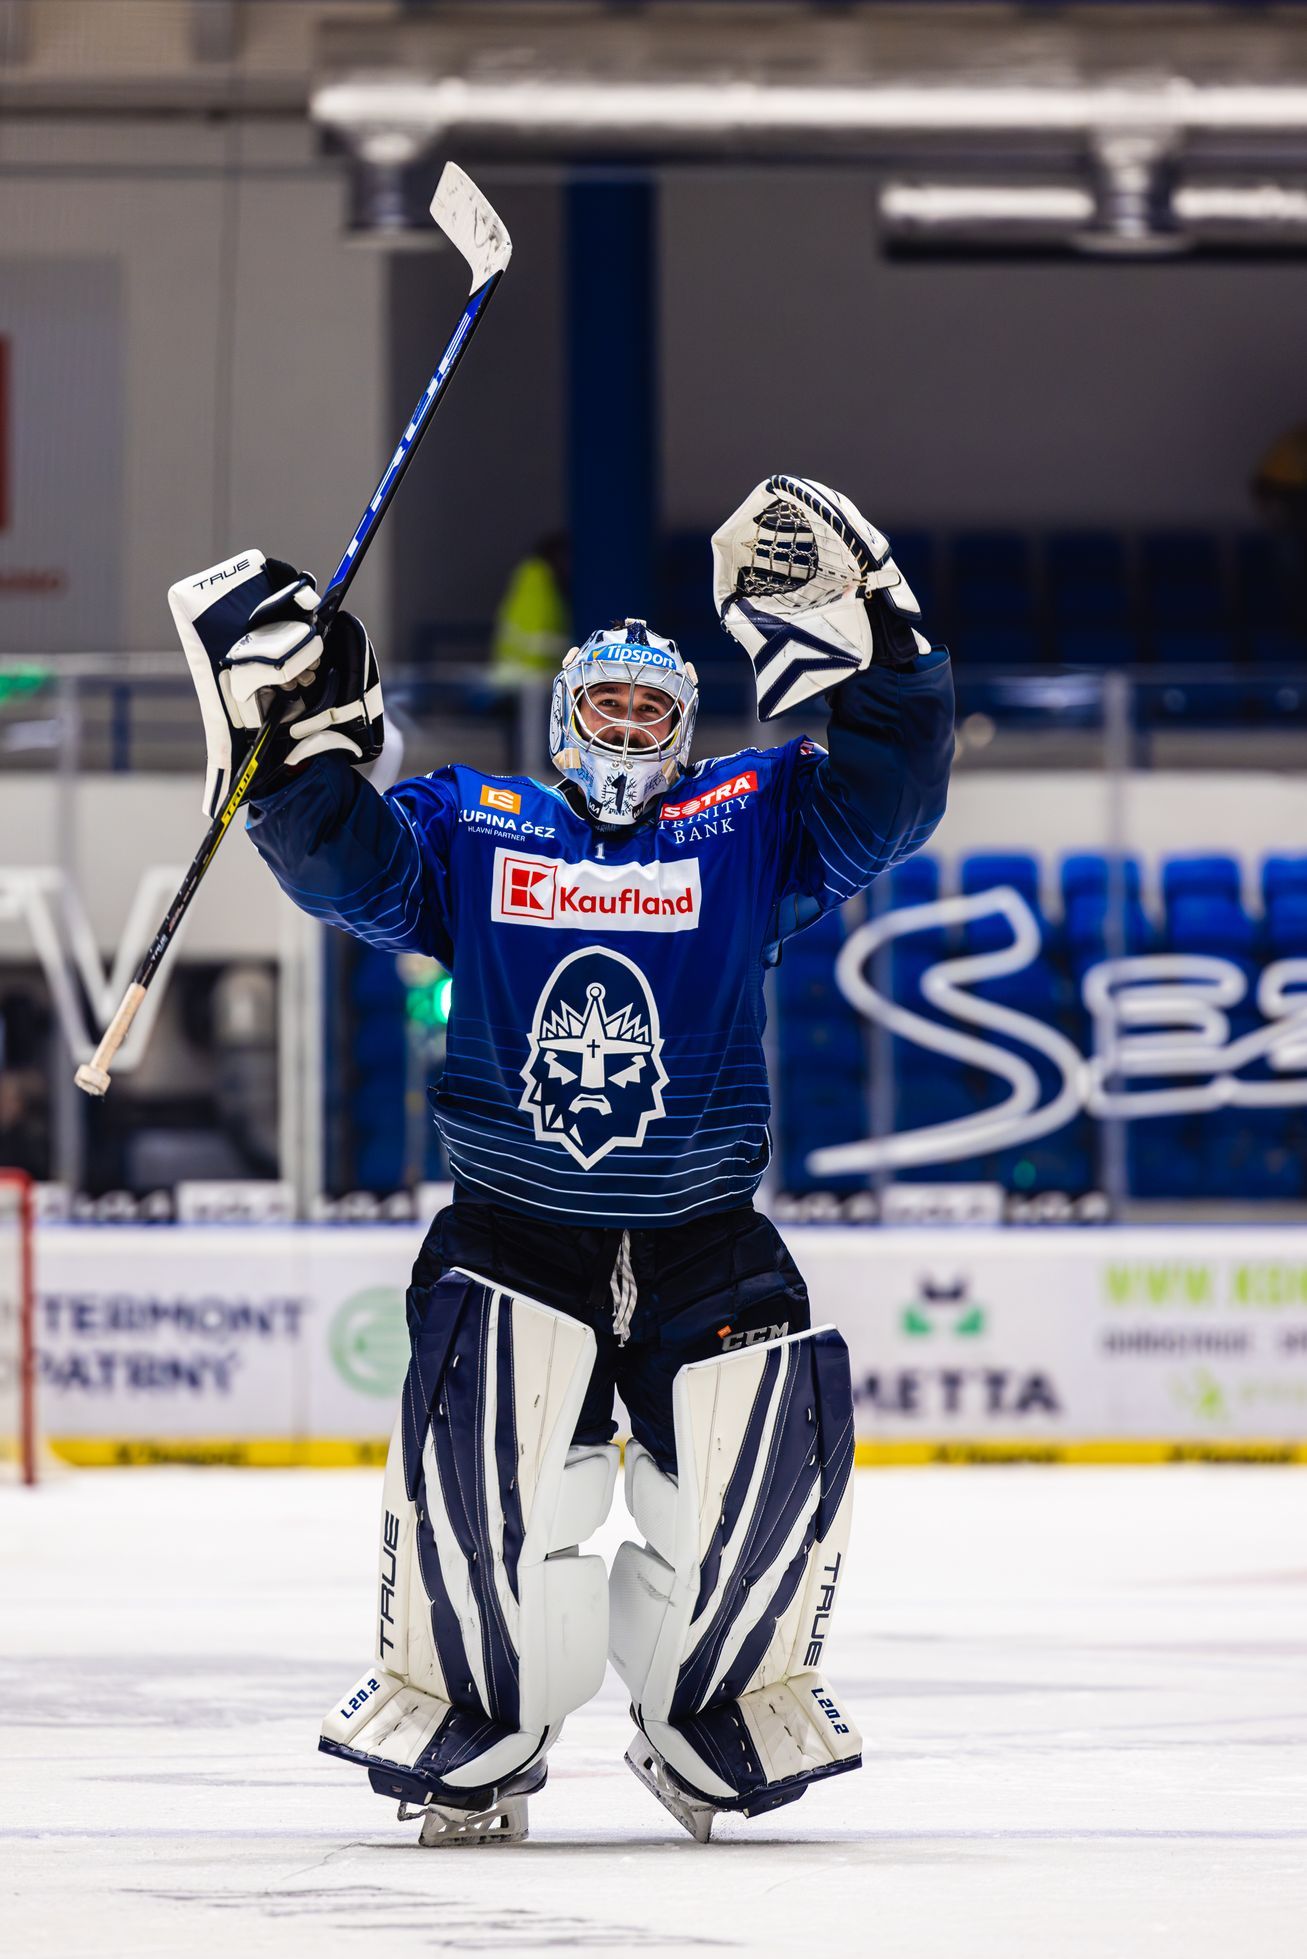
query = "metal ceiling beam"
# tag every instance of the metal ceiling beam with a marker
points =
(763, 80)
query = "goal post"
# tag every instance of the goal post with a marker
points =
(18, 1430)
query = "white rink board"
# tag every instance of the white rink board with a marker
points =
(1060, 1334)
(296, 1334)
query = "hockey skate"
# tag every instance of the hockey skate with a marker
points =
(500, 1818)
(691, 1812)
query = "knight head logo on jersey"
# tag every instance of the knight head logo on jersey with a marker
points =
(594, 1077)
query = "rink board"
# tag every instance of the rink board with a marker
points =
(286, 1345)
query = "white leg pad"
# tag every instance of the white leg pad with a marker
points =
(490, 1625)
(718, 1622)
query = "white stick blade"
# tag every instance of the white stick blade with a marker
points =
(471, 223)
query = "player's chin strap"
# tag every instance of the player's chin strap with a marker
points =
(490, 1627)
(718, 1622)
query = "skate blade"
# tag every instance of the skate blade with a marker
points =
(443, 1828)
(647, 1766)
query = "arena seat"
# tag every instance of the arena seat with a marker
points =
(1282, 876)
(1087, 578)
(915, 555)
(1265, 579)
(915, 882)
(1202, 921)
(1181, 578)
(988, 868)
(1212, 874)
(1092, 934)
(1285, 926)
(1088, 874)
(822, 1053)
(992, 578)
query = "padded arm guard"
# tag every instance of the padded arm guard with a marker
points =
(489, 1627)
(719, 1622)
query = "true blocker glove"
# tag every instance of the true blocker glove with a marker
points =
(247, 628)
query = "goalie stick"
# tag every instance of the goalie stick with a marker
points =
(471, 225)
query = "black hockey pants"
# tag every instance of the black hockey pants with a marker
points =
(687, 1292)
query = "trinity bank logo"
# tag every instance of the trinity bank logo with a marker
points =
(601, 897)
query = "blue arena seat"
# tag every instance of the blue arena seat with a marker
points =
(1087, 874)
(1092, 935)
(915, 555)
(1212, 874)
(1286, 925)
(821, 1044)
(1088, 581)
(1201, 921)
(992, 578)
(1281, 876)
(988, 868)
(915, 882)
(1181, 575)
(1268, 579)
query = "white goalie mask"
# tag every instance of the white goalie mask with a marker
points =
(608, 734)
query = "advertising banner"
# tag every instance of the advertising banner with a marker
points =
(254, 1344)
(288, 1344)
(1113, 1344)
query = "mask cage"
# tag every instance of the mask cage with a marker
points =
(623, 743)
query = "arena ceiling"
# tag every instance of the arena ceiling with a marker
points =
(1130, 127)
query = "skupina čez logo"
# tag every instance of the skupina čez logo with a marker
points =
(594, 1077)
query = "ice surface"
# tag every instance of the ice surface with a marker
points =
(1084, 1693)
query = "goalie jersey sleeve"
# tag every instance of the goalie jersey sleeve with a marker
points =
(876, 798)
(378, 867)
(604, 1058)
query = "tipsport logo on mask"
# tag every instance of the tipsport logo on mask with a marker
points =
(594, 1078)
(659, 897)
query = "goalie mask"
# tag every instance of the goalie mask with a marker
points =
(621, 719)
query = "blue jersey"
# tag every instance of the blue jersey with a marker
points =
(605, 1046)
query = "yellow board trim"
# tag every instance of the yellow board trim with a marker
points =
(335, 1452)
(1112, 1449)
(219, 1452)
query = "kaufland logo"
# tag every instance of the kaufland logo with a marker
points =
(595, 897)
(722, 792)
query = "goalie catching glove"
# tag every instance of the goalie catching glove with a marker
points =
(247, 628)
(809, 589)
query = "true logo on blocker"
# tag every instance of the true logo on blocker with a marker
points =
(658, 897)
